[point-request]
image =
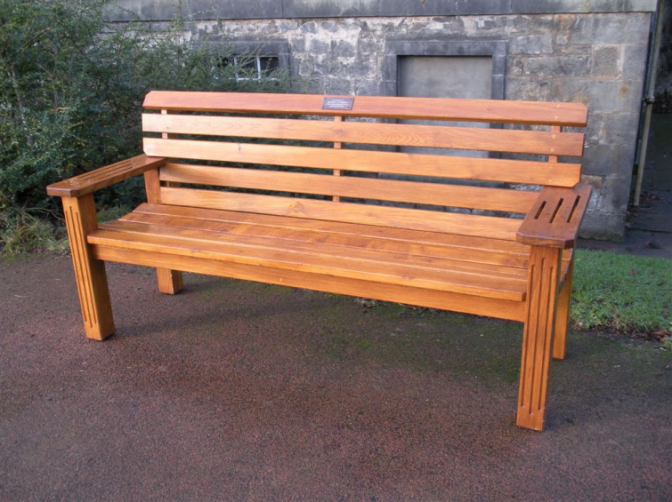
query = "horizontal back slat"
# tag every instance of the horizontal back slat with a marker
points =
(429, 136)
(472, 110)
(513, 171)
(359, 188)
(416, 219)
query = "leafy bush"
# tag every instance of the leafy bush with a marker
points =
(71, 89)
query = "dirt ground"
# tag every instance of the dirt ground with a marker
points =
(241, 391)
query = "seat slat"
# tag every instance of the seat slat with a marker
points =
(503, 309)
(433, 221)
(357, 252)
(407, 236)
(493, 199)
(471, 110)
(343, 241)
(383, 239)
(440, 280)
(513, 171)
(428, 136)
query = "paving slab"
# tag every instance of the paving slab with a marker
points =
(240, 391)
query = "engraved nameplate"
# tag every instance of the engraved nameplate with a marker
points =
(338, 103)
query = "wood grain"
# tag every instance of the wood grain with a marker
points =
(388, 292)
(105, 176)
(356, 250)
(368, 214)
(562, 314)
(428, 136)
(494, 199)
(94, 296)
(480, 248)
(476, 110)
(555, 217)
(538, 336)
(513, 171)
(170, 282)
(406, 273)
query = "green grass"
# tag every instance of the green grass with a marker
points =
(621, 293)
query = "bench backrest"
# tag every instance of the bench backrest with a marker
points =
(288, 145)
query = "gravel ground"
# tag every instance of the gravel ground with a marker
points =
(241, 391)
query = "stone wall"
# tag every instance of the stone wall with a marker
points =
(597, 58)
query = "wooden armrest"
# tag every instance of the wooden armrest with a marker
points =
(105, 176)
(555, 217)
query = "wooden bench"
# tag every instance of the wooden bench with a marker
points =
(299, 209)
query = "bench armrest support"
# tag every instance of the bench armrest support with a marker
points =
(555, 217)
(105, 176)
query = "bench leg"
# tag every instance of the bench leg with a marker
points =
(537, 336)
(562, 315)
(170, 281)
(94, 295)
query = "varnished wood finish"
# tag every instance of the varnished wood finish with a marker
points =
(503, 309)
(410, 272)
(538, 336)
(105, 176)
(555, 218)
(433, 221)
(337, 145)
(494, 199)
(170, 282)
(395, 239)
(94, 296)
(464, 110)
(562, 314)
(259, 210)
(513, 171)
(428, 136)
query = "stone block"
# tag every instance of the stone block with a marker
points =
(613, 29)
(607, 61)
(616, 96)
(614, 195)
(557, 66)
(603, 226)
(609, 159)
(528, 89)
(634, 60)
(343, 49)
(531, 44)
(317, 46)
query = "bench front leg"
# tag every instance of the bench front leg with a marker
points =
(170, 281)
(94, 295)
(542, 289)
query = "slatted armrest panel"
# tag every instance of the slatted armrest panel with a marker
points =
(555, 218)
(105, 176)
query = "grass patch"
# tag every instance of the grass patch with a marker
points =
(621, 293)
(23, 233)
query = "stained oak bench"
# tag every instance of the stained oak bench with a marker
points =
(262, 187)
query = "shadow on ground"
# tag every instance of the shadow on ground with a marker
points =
(241, 391)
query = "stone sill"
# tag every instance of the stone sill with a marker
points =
(159, 10)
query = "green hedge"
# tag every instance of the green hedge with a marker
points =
(71, 89)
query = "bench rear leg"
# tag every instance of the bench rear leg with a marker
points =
(94, 295)
(537, 336)
(562, 315)
(170, 281)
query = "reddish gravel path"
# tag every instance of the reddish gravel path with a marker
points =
(240, 391)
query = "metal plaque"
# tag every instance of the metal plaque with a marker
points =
(338, 103)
